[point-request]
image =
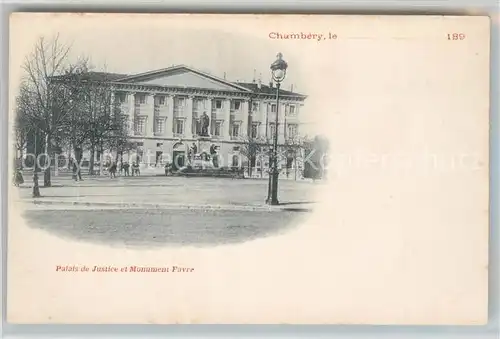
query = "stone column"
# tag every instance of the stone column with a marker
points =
(208, 109)
(226, 106)
(131, 112)
(282, 123)
(264, 116)
(150, 111)
(169, 125)
(188, 111)
(244, 118)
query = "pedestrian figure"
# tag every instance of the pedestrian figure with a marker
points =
(112, 170)
(18, 177)
(75, 171)
(168, 169)
(126, 167)
(135, 169)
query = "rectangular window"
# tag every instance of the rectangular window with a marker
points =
(120, 97)
(217, 128)
(140, 98)
(255, 106)
(254, 130)
(273, 108)
(235, 129)
(200, 104)
(179, 126)
(179, 102)
(292, 131)
(272, 129)
(218, 104)
(236, 105)
(160, 100)
(235, 160)
(292, 109)
(196, 126)
(160, 126)
(140, 125)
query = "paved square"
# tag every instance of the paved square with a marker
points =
(170, 190)
(163, 211)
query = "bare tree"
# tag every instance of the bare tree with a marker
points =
(251, 148)
(87, 102)
(316, 150)
(291, 152)
(95, 121)
(102, 125)
(118, 139)
(50, 101)
(22, 125)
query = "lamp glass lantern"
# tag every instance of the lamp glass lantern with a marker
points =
(278, 68)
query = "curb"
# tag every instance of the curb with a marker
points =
(172, 206)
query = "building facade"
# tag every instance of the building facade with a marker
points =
(180, 113)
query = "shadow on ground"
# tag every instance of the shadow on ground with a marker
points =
(143, 228)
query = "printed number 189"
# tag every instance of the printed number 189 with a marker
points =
(456, 36)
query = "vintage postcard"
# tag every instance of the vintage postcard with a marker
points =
(254, 169)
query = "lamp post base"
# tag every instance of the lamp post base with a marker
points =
(272, 202)
(272, 197)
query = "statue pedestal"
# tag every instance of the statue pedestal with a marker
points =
(203, 143)
(203, 137)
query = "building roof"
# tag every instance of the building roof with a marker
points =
(183, 68)
(92, 76)
(266, 89)
(251, 87)
(102, 76)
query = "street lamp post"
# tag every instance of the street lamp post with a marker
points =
(278, 71)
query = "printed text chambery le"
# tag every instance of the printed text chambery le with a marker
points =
(317, 36)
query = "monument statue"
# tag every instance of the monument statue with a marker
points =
(205, 123)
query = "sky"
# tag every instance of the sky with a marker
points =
(379, 71)
(122, 44)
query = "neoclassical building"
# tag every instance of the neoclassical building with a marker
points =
(167, 112)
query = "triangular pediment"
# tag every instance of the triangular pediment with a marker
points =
(182, 76)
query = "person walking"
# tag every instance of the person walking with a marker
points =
(75, 171)
(135, 169)
(126, 167)
(168, 169)
(18, 177)
(112, 170)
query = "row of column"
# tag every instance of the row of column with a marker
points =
(270, 118)
(224, 115)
